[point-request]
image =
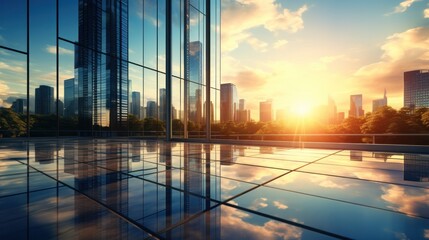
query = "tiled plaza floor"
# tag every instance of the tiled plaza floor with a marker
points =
(138, 189)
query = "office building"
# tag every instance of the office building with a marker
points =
(44, 102)
(356, 109)
(151, 109)
(102, 78)
(170, 45)
(243, 115)
(70, 97)
(135, 104)
(416, 89)
(19, 106)
(266, 111)
(378, 103)
(228, 102)
(162, 104)
(331, 111)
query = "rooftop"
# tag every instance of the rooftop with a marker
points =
(136, 189)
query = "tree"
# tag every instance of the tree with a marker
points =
(425, 119)
(379, 121)
(11, 125)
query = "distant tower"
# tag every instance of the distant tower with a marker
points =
(228, 102)
(266, 111)
(44, 102)
(151, 109)
(135, 104)
(19, 106)
(101, 66)
(162, 104)
(70, 97)
(356, 106)
(332, 111)
(243, 115)
(416, 89)
(378, 103)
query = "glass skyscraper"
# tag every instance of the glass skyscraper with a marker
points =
(416, 89)
(93, 55)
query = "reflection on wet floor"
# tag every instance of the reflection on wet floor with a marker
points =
(137, 189)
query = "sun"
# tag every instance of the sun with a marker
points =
(302, 109)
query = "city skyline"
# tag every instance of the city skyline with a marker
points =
(299, 52)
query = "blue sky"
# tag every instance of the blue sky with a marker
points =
(299, 52)
(296, 52)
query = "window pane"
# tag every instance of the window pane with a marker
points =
(13, 24)
(69, 19)
(13, 94)
(136, 34)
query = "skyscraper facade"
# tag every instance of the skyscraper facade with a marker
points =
(135, 104)
(44, 102)
(171, 45)
(416, 89)
(243, 115)
(228, 102)
(356, 109)
(70, 97)
(102, 78)
(378, 103)
(266, 111)
(19, 106)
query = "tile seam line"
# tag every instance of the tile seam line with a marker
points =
(351, 203)
(128, 220)
(288, 221)
(365, 180)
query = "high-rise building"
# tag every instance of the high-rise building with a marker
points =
(115, 48)
(162, 104)
(243, 115)
(151, 109)
(70, 97)
(266, 111)
(416, 88)
(228, 102)
(102, 78)
(356, 109)
(378, 103)
(44, 102)
(19, 106)
(135, 104)
(331, 111)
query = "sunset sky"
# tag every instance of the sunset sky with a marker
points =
(299, 52)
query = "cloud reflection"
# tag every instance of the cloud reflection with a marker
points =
(238, 223)
(409, 202)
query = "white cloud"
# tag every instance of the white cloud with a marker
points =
(287, 21)
(280, 205)
(259, 203)
(415, 203)
(280, 43)
(403, 6)
(235, 223)
(257, 44)
(402, 52)
(426, 13)
(239, 16)
(17, 69)
(53, 50)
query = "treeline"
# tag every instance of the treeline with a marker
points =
(385, 120)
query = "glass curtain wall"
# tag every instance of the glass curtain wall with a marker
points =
(99, 68)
